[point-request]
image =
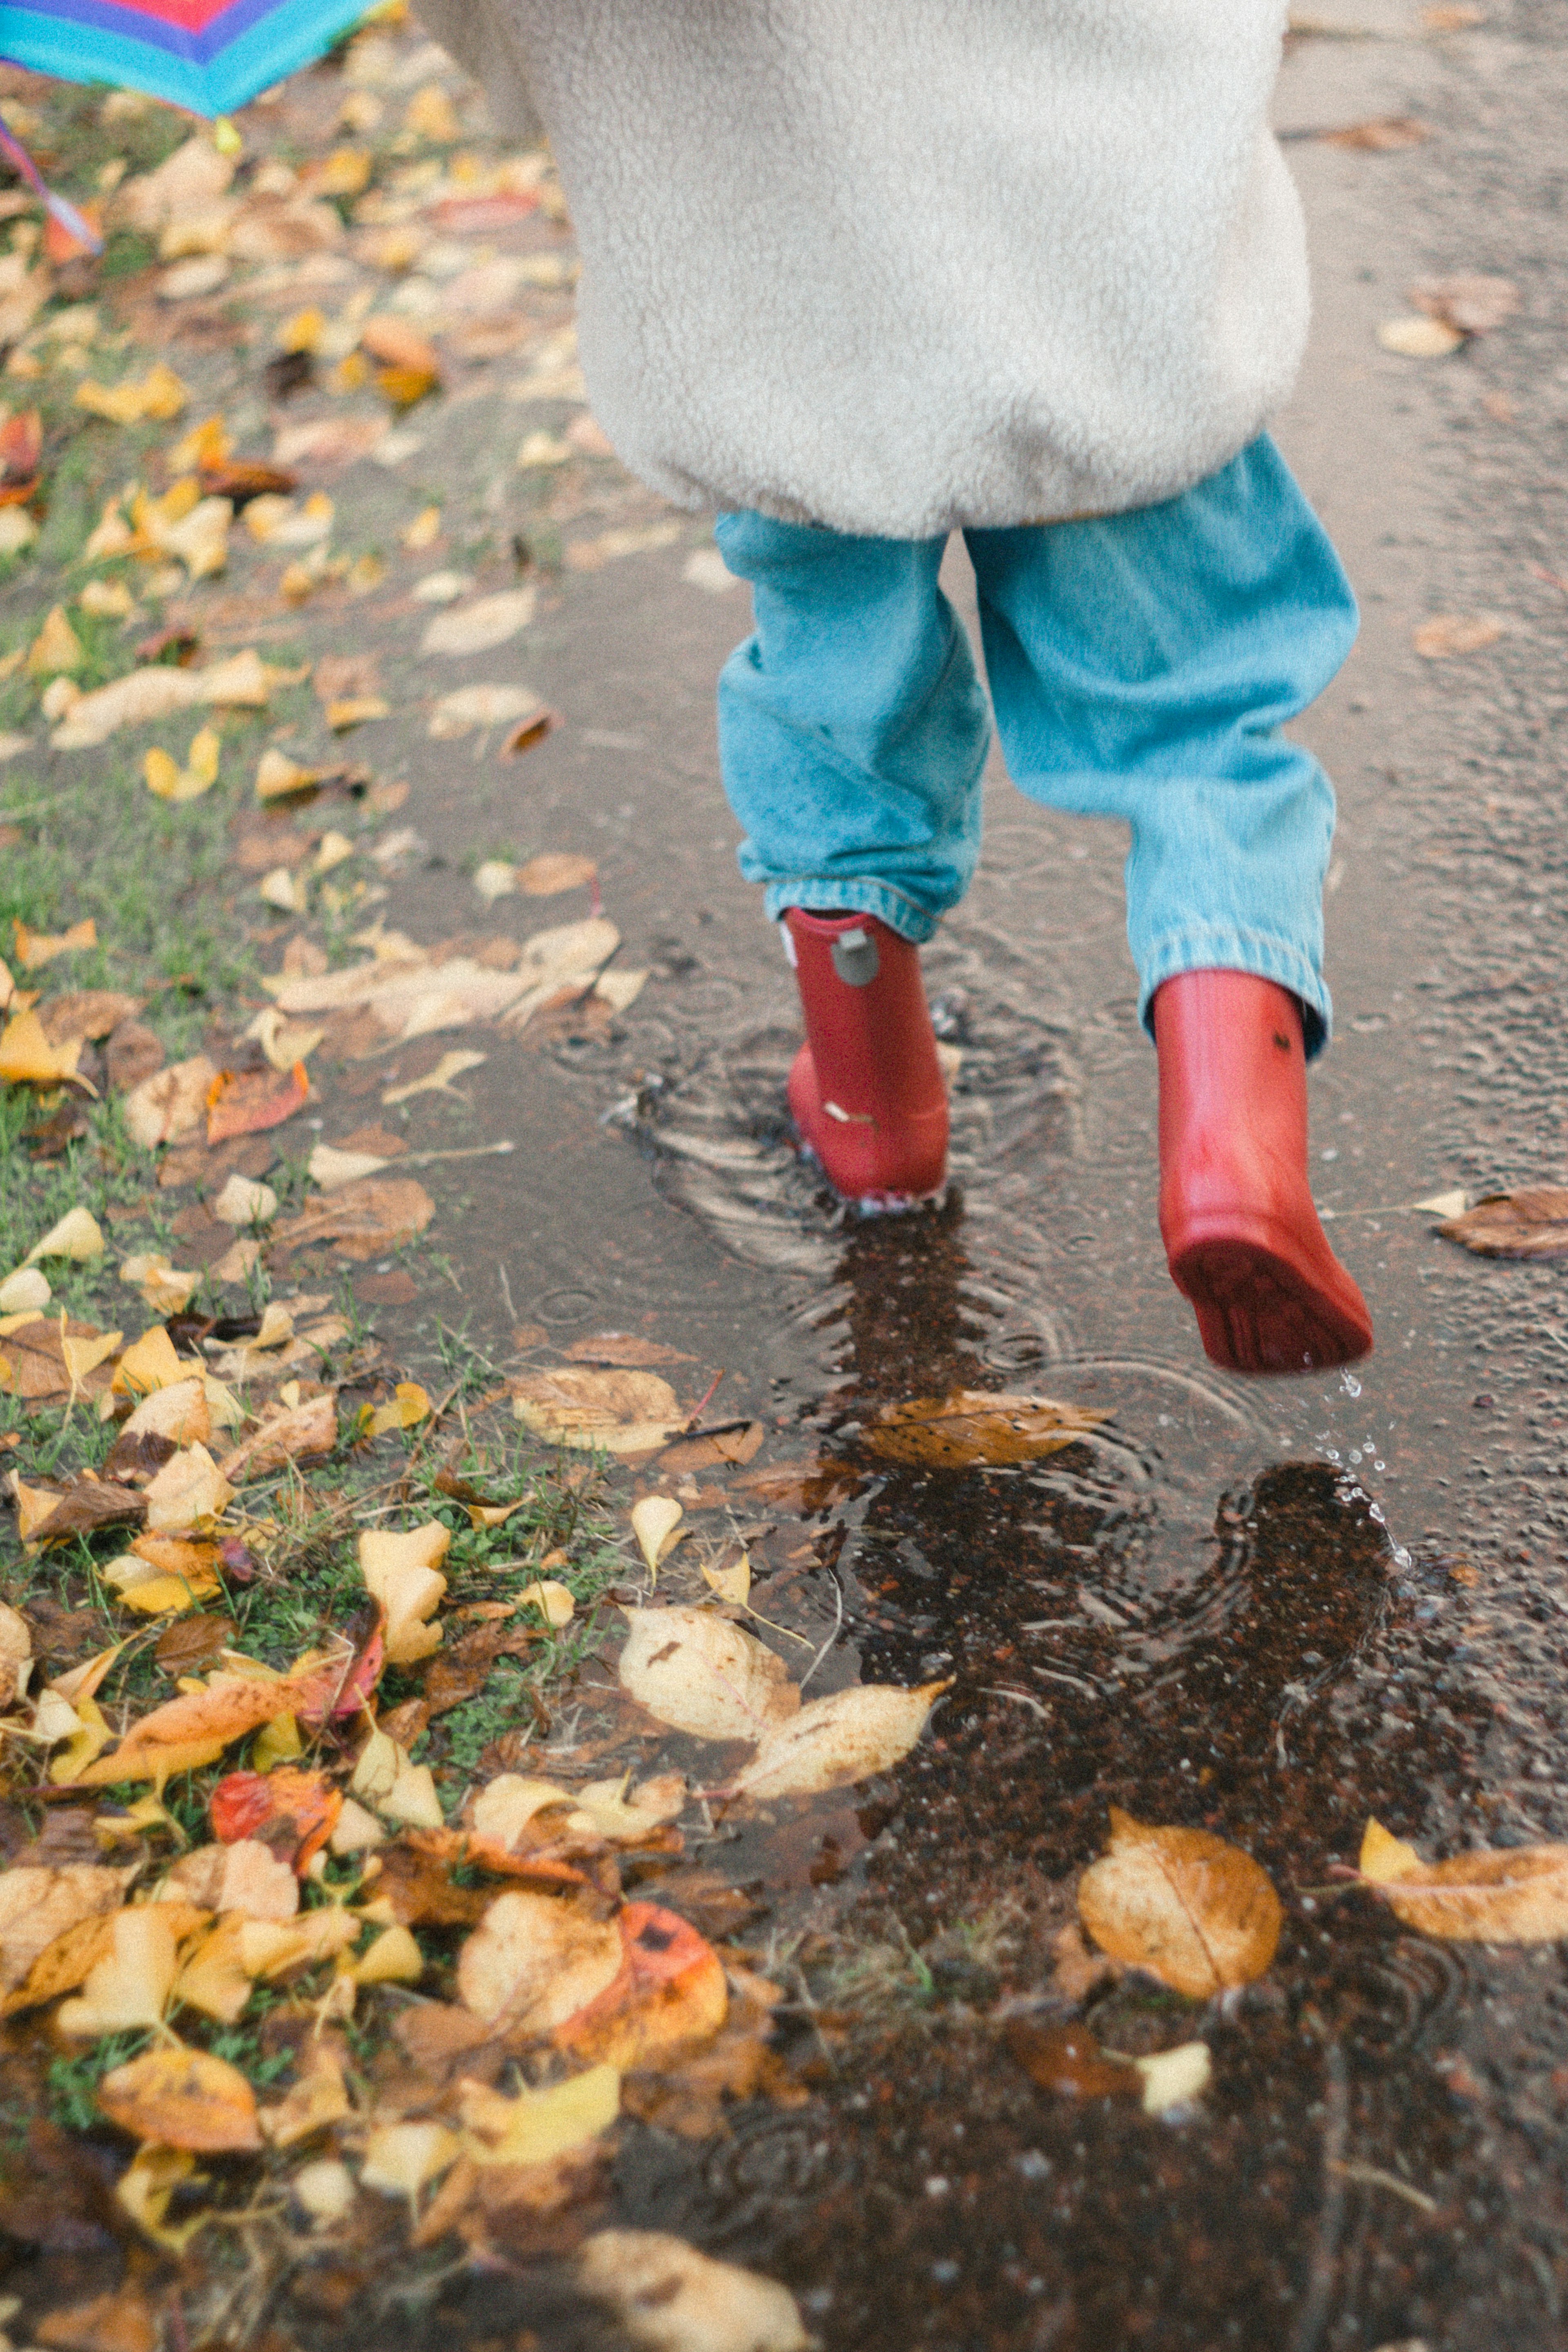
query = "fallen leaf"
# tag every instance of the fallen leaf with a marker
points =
(480, 706)
(238, 1877)
(535, 1960)
(1445, 1205)
(24, 1292)
(250, 1102)
(51, 1358)
(654, 1523)
(545, 876)
(553, 1601)
(700, 1674)
(160, 395)
(243, 682)
(188, 1492)
(1173, 2079)
(476, 628)
(166, 1289)
(1456, 633)
(171, 1104)
(362, 1220)
(27, 1058)
(401, 1572)
(1385, 134)
(408, 1407)
(47, 1515)
(320, 2098)
(837, 1740)
(292, 1810)
(623, 1348)
(39, 1906)
(667, 1999)
(128, 1989)
(672, 2298)
(198, 775)
(36, 947)
(300, 1433)
(400, 2159)
(182, 2098)
(145, 2191)
(1414, 338)
(76, 1236)
(245, 1202)
(620, 1412)
(971, 1425)
(87, 1013)
(1517, 1895)
(1475, 305)
(193, 1730)
(538, 2126)
(1069, 2060)
(1199, 1913)
(1530, 1223)
(57, 649)
(436, 1081)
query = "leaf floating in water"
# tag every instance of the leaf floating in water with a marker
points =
(624, 1413)
(700, 1674)
(969, 1426)
(672, 2298)
(1530, 1223)
(1515, 1895)
(1198, 1913)
(838, 1740)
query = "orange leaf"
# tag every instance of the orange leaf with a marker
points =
(182, 2098)
(247, 1102)
(669, 1997)
(290, 1808)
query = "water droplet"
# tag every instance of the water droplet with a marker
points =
(1351, 1385)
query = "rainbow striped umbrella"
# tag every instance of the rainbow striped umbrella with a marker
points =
(211, 56)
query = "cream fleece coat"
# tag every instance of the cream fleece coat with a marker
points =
(900, 265)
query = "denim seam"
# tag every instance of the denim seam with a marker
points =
(900, 912)
(1231, 948)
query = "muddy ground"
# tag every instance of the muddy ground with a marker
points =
(1269, 1611)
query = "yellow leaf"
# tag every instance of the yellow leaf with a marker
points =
(76, 1236)
(731, 1584)
(160, 395)
(165, 1288)
(87, 1741)
(539, 2125)
(1197, 1912)
(150, 1363)
(81, 1356)
(622, 1411)
(277, 1742)
(400, 1571)
(131, 1987)
(56, 648)
(552, 1599)
(972, 1425)
(189, 1491)
(320, 2098)
(182, 2098)
(424, 531)
(207, 444)
(36, 947)
(161, 775)
(393, 1959)
(700, 1674)
(27, 1058)
(145, 2188)
(402, 2159)
(409, 1406)
(837, 1740)
(1517, 1895)
(654, 1523)
(303, 331)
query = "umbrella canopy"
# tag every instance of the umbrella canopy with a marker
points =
(199, 54)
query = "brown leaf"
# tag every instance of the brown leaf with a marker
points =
(87, 1013)
(1515, 1895)
(1530, 1223)
(340, 675)
(40, 1367)
(121, 2321)
(362, 1220)
(250, 1102)
(193, 1641)
(622, 1411)
(182, 2098)
(85, 1504)
(170, 1104)
(134, 1052)
(240, 479)
(418, 1888)
(1198, 1913)
(38, 1905)
(971, 1425)
(300, 1433)
(462, 1670)
(535, 1961)
(547, 876)
(1475, 305)
(800, 1488)
(1068, 2060)
(738, 1444)
(625, 1347)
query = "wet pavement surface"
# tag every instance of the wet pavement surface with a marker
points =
(1269, 1610)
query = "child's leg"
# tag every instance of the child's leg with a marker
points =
(1142, 667)
(853, 731)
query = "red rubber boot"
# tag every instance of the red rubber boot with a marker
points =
(866, 1089)
(1236, 1209)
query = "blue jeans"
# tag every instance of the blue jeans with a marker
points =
(1141, 667)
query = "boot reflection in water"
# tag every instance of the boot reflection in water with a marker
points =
(1141, 665)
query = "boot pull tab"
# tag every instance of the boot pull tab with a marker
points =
(855, 958)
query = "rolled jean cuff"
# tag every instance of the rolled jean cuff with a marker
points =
(1221, 949)
(905, 916)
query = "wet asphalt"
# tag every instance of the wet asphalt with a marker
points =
(1270, 1610)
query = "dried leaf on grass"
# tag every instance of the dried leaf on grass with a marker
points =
(297, 1433)
(701, 1674)
(618, 1411)
(1530, 1223)
(400, 1571)
(291, 1810)
(480, 706)
(535, 1961)
(668, 1997)
(672, 2298)
(1516, 1894)
(37, 1906)
(971, 1425)
(56, 1358)
(1199, 1913)
(489, 621)
(28, 1059)
(171, 1104)
(243, 682)
(47, 1515)
(362, 1220)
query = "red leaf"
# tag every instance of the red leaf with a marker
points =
(293, 1813)
(246, 1102)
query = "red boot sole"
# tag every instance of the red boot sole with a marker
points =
(1260, 1311)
